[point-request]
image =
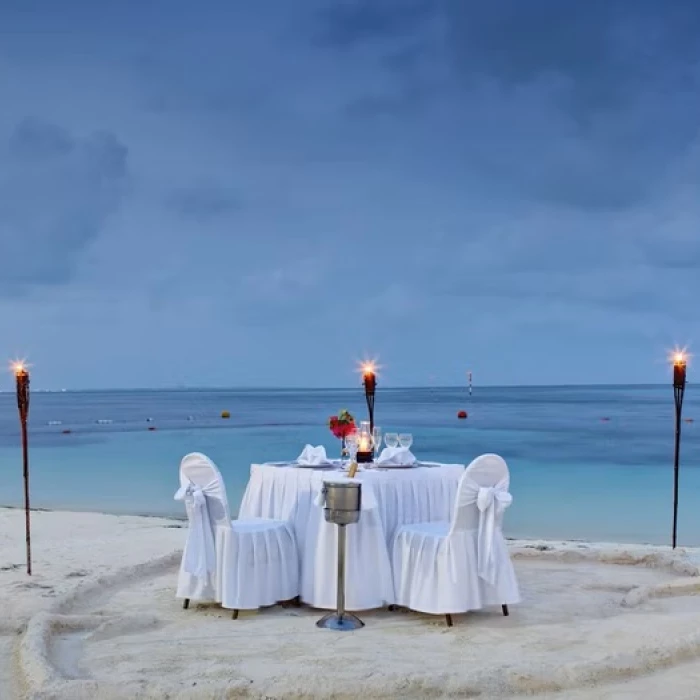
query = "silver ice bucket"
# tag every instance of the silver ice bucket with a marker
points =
(342, 502)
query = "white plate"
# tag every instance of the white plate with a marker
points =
(323, 465)
(395, 466)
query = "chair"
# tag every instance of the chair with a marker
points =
(242, 564)
(444, 568)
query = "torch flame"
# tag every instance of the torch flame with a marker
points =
(679, 356)
(19, 366)
(366, 367)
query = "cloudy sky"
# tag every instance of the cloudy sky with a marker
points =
(221, 194)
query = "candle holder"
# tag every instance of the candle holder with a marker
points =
(22, 381)
(364, 443)
(679, 379)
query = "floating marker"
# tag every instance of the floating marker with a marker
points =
(225, 414)
(462, 415)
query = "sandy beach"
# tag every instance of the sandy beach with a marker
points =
(98, 619)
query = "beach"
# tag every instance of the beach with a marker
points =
(98, 619)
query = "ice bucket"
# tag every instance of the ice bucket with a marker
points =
(342, 502)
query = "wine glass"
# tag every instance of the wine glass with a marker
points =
(351, 446)
(405, 440)
(377, 438)
(391, 439)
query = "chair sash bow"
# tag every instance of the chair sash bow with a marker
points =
(491, 502)
(199, 558)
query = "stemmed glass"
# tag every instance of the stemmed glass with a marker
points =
(351, 446)
(377, 440)
(405, 440)
(391, 439)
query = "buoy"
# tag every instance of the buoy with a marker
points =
(151, 427)
(66, 432)
(462, 414)
(149, 420)
(605, 419)
(689, 420)
(225, 414)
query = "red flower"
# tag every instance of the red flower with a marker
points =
(342, 425)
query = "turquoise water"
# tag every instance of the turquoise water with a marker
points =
(573, 474)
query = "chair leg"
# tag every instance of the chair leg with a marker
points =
(186, 603)
(234, 615)
(448, 620)
(505, 610)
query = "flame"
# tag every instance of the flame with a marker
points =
(679, 356)
(19, 366)
(366, 367)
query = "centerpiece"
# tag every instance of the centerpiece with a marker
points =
(342, 426)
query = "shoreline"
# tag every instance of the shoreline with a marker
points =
(515, 538)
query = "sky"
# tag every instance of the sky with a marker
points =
(260, 194)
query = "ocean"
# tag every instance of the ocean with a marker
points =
(587, 462)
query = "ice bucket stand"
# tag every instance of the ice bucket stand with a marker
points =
(342, 502)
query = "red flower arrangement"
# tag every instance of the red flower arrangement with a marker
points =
(342, 425)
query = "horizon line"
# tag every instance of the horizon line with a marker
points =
(340, 388)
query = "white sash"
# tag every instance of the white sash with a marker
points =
(200, 551)
(491, 502)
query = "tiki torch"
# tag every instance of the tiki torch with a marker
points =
(680, 363)
(22, 378)
(369, 381)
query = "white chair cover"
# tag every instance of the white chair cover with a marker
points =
(368, 579)
(202, 490)
(486, 482)
(244, 564)
(456, 566)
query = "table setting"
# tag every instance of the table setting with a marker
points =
(377, 509)
(397, 489)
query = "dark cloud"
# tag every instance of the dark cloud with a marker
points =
(204, 202)
(345, 23)
(585, 104)
(56, 192)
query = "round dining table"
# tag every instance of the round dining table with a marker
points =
(398, 496)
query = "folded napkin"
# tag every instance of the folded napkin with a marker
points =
(396, 455)
(313, 455)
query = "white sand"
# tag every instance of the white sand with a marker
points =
(99, 620)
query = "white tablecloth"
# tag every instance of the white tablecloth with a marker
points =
(398, 497)
(421, 494)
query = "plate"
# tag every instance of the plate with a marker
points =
(324, 465)
(396, 466)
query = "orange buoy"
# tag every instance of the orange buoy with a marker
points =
(462, 414)
(225, 414)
